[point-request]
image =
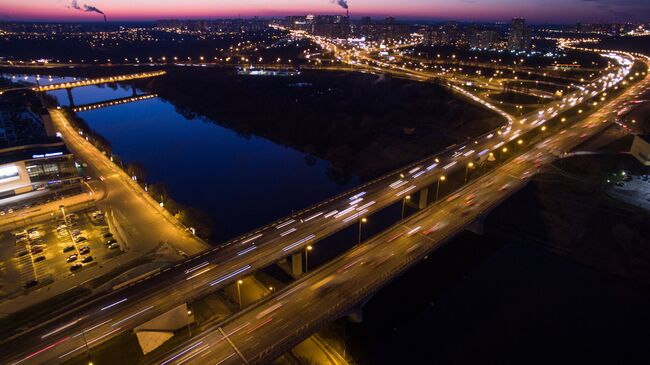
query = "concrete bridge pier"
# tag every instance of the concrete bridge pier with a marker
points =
(296, 264)
(423, 201)
(70, 98)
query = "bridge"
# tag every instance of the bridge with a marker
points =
(106, 316)
(113, 102)
(98, 81)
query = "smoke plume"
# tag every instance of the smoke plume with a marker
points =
(342, 3)
(88, 8)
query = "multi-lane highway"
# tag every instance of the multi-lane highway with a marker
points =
(268, 329)
(60, 338)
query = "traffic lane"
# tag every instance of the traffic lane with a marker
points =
(521, 169)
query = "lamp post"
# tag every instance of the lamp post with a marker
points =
(239, 283)
(65, 221)
(361, 221)
(189, 328)
(408, 197)
(441, 179)
(469, 166)
(307, 249)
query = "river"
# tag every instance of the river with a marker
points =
(242, 182)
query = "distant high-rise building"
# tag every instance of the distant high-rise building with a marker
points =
(519, 38)
(484, 38)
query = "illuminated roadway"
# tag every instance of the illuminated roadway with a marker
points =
(270, 328)
(62, 337)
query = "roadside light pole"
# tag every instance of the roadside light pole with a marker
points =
(307, 249)
(469, 166)
(189, 328)
(441, 179)
(408, 197)
(67, 226)
(361, 221)
(239, 283)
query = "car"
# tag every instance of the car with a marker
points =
(110, 241)
(71, 258)
(33, 229)
(80, 239)
(76, 267)
(76, 232)
(68, 248)
(84, 250)
(87, 259)
(39, 258)
(37, 249)
(61, 227)
(31, 283)
(114, 245)
(21, 253)
(107, 235)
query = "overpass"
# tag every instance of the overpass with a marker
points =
(105, 317)
(263, 332)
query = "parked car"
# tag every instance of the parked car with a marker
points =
(107, 235)
(80, 239)
(39, 258)
(68, 248)
(87, 259)
(75, 267)
(114, 245)
(84, 250)
(110, 241)
(72, 258)
(37, 249)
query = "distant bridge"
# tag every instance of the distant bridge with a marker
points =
(104, 104)
(97, 81)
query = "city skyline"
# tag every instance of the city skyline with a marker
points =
(541, 11)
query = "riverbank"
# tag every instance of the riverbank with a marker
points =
(364, 124)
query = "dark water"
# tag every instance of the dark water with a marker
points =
(242, 182)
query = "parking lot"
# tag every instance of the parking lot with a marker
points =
(36, 255)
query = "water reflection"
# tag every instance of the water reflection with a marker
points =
(243, 182)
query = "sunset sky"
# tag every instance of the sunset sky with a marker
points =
(540, 11)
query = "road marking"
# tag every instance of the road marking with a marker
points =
(233, 345)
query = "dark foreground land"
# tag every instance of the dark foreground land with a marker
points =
(365, 124)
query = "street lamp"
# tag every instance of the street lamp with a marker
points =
(362, 220)
(189, 328)
(307, 249)
(441, 179)
(469, 166)
(239, 283)
(408, 197)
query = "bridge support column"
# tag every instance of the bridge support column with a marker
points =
(356, 316)
(133, 89)
(296, 264)
(70, 98)
(424, 198)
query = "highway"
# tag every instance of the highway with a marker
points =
(62, 337)
(265, 331)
